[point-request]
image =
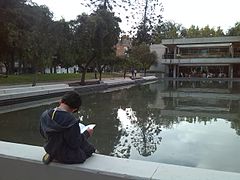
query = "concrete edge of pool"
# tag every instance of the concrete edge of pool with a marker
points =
(19, 94)
(20, 161)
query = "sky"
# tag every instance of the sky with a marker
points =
(223, 13)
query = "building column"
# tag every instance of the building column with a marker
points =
(174, 71)
(175, 52)
(231, 51)
(230, 71)
(177, 71)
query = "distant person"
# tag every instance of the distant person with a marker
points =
(60, 128)
(135, 73)
(132, 71)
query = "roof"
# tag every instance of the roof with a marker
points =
(204, 45)
(223, 39)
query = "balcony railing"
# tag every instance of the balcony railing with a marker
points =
(192, 55)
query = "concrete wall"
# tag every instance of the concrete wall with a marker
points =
(160, 50)
(23, 162)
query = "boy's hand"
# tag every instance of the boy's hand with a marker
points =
(90, 131)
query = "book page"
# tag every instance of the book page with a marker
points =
(84, 128)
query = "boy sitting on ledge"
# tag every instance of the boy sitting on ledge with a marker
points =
(60, 128)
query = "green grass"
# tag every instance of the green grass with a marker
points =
(41, 78)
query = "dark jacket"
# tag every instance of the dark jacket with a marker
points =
(64, 142)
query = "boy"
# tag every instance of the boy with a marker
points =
(64, 142)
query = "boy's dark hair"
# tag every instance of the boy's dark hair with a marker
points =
(72, 99)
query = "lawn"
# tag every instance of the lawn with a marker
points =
(41, 78)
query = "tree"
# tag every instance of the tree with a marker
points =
(10, 31)
(144, 56)
(167, 30)
(234, 31)
(193, 32)
(63, 43)
(196, 32)
(140, 15)
(219, 32)
(39, 41)
(207, 32)
(27, 35)
(84, 28)
(106, 37)
(150, 18)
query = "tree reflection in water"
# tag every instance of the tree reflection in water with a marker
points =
(142, 136)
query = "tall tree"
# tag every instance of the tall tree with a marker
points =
(140, 15)
(84, 28)
(39, 39)
(107, 34)
(63, 43)
(10, 31)
(151, 15)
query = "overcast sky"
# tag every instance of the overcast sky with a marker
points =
(223, 13)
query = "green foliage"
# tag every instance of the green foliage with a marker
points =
(107, 34)
(167, 30)
(62, 37)
(194, 32)
(234, 31)
(26, 32)
(143, 56)
(94, 38)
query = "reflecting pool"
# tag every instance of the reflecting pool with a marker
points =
(190, 123)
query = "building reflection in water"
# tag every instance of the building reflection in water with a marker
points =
(199, 101)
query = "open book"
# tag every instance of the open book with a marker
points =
(84, 128)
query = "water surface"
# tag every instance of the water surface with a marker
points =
(193, 124)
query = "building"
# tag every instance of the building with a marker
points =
(201, 57)
(123, 46)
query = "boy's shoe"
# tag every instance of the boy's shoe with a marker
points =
(46, 159)
(97, 152)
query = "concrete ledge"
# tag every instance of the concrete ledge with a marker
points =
(118, 82)
(9, 94)
(18, 161)
(149, 78)
(33, 88)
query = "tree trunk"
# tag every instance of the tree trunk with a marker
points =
(83, 76)
(95, 73)
(11, 64)
(124, 74)
(145, 71)
(100, 75)
(35, 70)
(34, 81)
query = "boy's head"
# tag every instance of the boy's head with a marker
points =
(72, 99)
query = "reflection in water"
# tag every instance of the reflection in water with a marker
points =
(185, 123)
(144, 139)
